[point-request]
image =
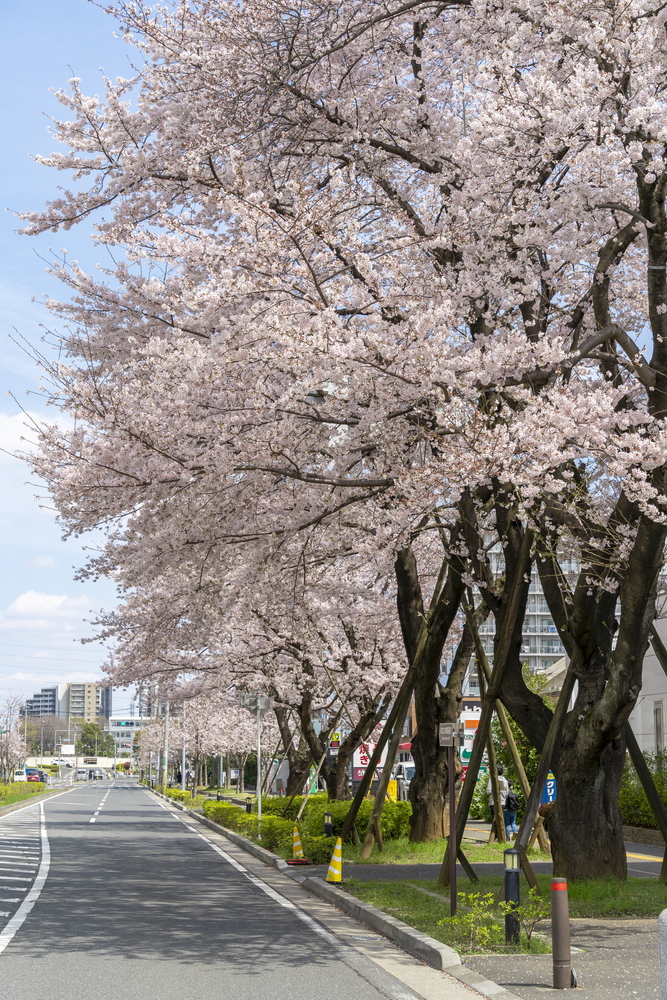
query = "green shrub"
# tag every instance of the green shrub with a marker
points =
(479, 808)
(632, 801)
(21, 788)
(276, 834)
(318, 850)
(179, 795)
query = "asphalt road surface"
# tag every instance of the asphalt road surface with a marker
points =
(104, 892)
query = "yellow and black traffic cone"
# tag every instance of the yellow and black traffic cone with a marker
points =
(297, 850)
(335, 873)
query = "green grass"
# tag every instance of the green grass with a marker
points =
(594, 898)
(604, 897)
(12, 796)
(403, 852)
(431, 916)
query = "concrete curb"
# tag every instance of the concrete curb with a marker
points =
(642, 835)
(423, 947)
(5, 810)
(426, 949)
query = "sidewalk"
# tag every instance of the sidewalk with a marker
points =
(619, 961)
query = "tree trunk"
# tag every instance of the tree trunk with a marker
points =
(434, 703)
(585, 825)
(338, 777)
(299, 757)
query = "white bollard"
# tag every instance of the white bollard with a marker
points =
(662, 951)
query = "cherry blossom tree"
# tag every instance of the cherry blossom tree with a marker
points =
(390, 270)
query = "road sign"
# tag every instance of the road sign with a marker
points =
(549, 790)
(334, 744)
(450, 734)
(252, 699)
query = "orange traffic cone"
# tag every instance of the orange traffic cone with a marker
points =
(335, 873)
(297, 850)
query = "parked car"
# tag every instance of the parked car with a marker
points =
(20, 776)
(32, 776)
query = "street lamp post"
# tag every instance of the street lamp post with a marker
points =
(165, 750)
(183, 754)
(258, 703)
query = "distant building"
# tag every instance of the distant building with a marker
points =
(123, 728)
(49, 701)
(647, 718)
(71, 701)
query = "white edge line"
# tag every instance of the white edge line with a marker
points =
(286, 903)
(26, 906)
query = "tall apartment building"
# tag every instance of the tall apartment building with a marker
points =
(541, 646)
(71, 701)
(47, 702)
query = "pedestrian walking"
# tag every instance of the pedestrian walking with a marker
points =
(504, 789)
(510, 809)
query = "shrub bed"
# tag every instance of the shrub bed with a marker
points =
(632, 801)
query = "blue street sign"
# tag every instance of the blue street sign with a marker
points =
(549, 791)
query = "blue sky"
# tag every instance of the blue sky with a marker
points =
(43, 609)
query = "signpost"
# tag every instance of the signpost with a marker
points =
(450, 735)
(257, 703)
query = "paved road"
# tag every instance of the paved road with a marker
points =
(137, 903)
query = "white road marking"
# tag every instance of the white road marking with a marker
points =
(97, 811)
(10, 899)
(281, 900)
(13, 888)
(32, 897)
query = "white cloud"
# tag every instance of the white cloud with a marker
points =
(16, 434)
(44, 562)
(33, 604)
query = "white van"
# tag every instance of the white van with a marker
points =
(20, 776)
(81, 774)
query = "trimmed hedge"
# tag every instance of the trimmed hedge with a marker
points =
(632, 801)
(26, 788)
(276, 832)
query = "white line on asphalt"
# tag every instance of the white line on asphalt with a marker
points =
(10, 899)
(13, 888)
(32, 897)
(4, 913)
(97, 811)
(15, 878)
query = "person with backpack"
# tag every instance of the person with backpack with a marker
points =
(504, 789)
(510, 809)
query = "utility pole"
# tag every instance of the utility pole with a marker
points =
(259, 762)
(183, 754)
(165, 749)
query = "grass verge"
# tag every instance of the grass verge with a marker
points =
(478, 926)
(11, 796)
(403, 852)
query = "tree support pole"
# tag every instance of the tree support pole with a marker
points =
(533, 803)
(498, 825)
(651, 792)
(400, 706)
(373, 832)
(495, 681)
(399, 709)
(538, 831)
